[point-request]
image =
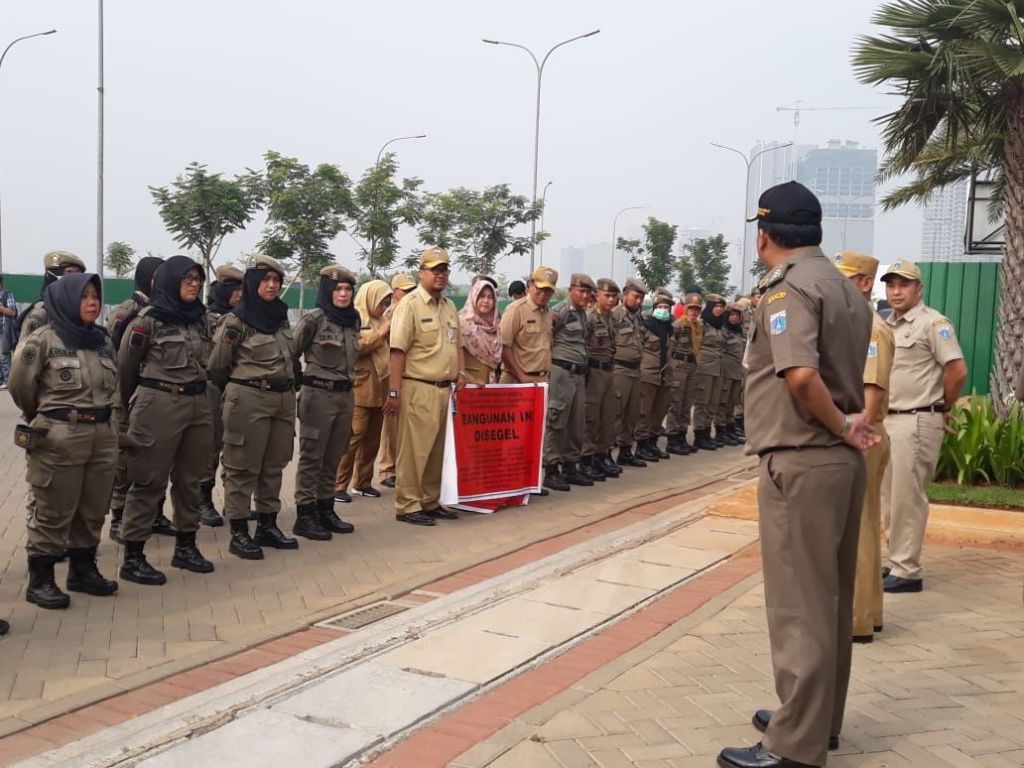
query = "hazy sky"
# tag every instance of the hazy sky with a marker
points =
(627, 115)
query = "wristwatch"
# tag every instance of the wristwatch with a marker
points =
(847, 421)
(393, 393)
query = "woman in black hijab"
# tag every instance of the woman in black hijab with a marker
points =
(254, 360)
(161, 363)
(709, 373)
(64, 381)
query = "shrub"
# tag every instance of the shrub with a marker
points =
(983, 448)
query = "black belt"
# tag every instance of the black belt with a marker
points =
(79, 415)
(268, 385)
(439, 384)
(570, 367)
(334, 385)
(926, 409)
(631, 366)
(536, 373)
(685, 357)
(192, 388)
(601, 365)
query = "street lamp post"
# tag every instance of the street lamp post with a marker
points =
(2, 57)
(536, 125)
(744, 276)
(543, 210)
(615, 224)
(376, 200)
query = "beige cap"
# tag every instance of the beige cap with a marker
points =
(545, 277)
(54, 259)
(338, 274)
(663, 297)
(580, 280)
(402, 282)
(714, 298)
(904, 268)
(632, 284)
(734, 306)
(693, 300)
(607, 285)
(228, 273)
(850, 263)
(262, 261)
(433, 256)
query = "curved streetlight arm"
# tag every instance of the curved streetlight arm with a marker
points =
(734, 151)
(770, 149)
(24, 37)
(564, 42)
(615, 224)
(392, 141)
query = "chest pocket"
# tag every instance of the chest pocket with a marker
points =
(65, 374)
(263, 349)
(331, 353)
(428, 330)
(109, 368)
(451, 331)
(572, 330)
(172, 352)
(531, 328)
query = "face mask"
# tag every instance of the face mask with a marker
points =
(662, 314)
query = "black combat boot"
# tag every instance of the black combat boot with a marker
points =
(161, 525)
(208, 514)
(573, 475)
(307, 524)
(608, 465)
(678, 446)
(42, 589)
(736, 435)
(684, 443)
(241, 542)
(269, 535)
(657, 449)
(723, 436)
(627, 459)
(84, 576)
(554, 480)
(592, 469)
(187, 555)
(741, 431)
(329, 520)
(646, 451)
(136, 568)
(702, 440)
(116, 515)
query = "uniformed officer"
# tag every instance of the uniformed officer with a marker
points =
(687, 337)
(401, 284)
(566, 422)
(64, 380)
(328, 337)
(600, 401)
(928, 374)
(708, 387)
(225, 293)
(56, 264)
(162, 368)
(426, 358)
(629, 344)
(526, 331)
(373, 302)
(805, 397)
(479, 323)
(655, 377)
(733, 346)
(118, 320)
(253, 359)
(867, 594)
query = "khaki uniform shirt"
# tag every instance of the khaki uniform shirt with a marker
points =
(600, 336)
(526, 330)
(878, 368)
(45, 375)
(35, 317)
(629, 335)
(330, 349)
(169, 352)
(712, 347)
(925, 342)
(427, 330)
(120, 316)
(812, 317)
(687, 336)
(569, 333)
(732, 357)
(242, 352)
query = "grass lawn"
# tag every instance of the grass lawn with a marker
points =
(977, 495)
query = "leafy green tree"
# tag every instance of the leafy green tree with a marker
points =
(306, 210)
(382, 207)
(120, 258)
(758, 269)
(958, 65)
(707, 260)
(200, 209)
(652, 257)
(478, 226)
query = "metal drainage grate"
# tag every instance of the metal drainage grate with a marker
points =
(364, 616)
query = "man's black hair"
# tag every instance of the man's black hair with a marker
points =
(791, 235)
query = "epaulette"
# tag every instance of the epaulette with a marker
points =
(773, 277)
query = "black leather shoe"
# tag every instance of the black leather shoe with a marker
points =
(416, 518)
(863, 639)
(754, 757)
(330, 520)
(440, 513)
(369, 490)
(187, 555)
(762, 717)
(702, 440)
(242, 544)
(269, 535)
(678, 446)
(627, 459)
(573, 476)
(342, 497)
(657, 449)
(609, 467)
(137, 569)
(589, 467)
(84, 576)
(42, 588)
(388, 482)
(893, 584)
(553, 479)
(162, 526)
(724, 437)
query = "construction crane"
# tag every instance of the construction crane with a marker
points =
(796, 110)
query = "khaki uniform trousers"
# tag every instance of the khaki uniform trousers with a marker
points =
(563, 438)
(70, 478)
(422, 421)
(216, 397)
(684, 388)
(600, 413)
(867, 593)
(386, 459)
(705, 402)
(809, 503)
(356, 465)
(916, 439)
(728, 398)
(654, 402)
(173, 434)
(626, 384)
(325, 427)
(120, 490)
(259, 438)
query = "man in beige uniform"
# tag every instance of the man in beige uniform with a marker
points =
(867, 594)
(928, 374)
(629, 345)
(401, 284)
(426, 360)
(805, 395)
(600, 417)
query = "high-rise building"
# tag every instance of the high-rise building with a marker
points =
(594, 259)
(945, 223)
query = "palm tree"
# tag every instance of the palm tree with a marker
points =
(959, 67)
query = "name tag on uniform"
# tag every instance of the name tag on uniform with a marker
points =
(777, 323)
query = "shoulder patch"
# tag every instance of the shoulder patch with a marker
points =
(777, 323)
(29, 354)
(138, 337)
(776, 296)
(945, 332)
(232, 335)
(873, 349)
